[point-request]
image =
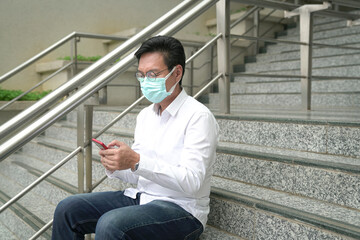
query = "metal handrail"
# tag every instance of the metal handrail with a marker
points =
(36, 85)
(91, 71)
(95, 85)
(56, 46)
(78, 97)
(40, 179)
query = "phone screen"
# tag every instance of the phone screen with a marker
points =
(100, 144)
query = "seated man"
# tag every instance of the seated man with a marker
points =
(171, 162)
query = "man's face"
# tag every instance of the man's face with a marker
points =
(154, 61)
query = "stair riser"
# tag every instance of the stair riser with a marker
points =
(245, 85)
(295, 64)
(288, 177)
(295, 55)
(318, 26)
(346, 40)
(103, 118)
(252, 223)
(17, 226)
(292, 100)
(50, 195)
(328, 139)
(294, 34)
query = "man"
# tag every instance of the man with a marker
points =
(171, 162)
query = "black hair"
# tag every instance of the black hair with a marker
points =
(171, 49)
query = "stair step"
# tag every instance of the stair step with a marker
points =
(321, 136)
(246, 85)
(240, 209)
(331, 61)
(31, 212)
(212, 233)
(295, 172)
(5, 233)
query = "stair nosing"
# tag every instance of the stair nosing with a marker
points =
(288, 212)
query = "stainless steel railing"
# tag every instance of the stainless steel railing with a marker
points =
(80, 96)
(91, 71)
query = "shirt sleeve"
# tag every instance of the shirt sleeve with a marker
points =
(197, 157)
(124, 175)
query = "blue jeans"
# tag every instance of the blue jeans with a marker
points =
(112, 215)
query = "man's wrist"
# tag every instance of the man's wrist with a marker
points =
(136, 165)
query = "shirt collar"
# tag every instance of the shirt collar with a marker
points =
(174, 105)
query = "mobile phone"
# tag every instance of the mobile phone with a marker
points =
(100, 144)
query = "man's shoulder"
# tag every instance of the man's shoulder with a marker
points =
(193, 105)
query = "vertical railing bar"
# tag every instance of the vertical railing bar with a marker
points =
(80, 142)
(89, 109)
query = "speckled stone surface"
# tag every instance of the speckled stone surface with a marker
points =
(233, 218)
(277, 228)
(330, 186)
(283, 135)
(344, 140)
(285, 86)
(5, 233)
(339, 140)
(334, 61)
(259, 172)
(102, 118)
(336, 187)
(212, 233)
(307, 205)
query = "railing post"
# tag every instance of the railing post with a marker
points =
(305, 13)
(80, 142)
(306, 36)
(223, 52)
(256, 30)
(89, 109)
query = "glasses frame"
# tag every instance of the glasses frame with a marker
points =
(150, 74)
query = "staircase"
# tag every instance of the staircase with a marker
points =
(281, 173)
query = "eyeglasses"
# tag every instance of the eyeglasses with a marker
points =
(149, 75)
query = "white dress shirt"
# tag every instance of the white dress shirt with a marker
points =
(177, 152)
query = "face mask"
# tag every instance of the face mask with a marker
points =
(154, 89)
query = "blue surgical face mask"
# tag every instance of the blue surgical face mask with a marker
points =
(154, 89)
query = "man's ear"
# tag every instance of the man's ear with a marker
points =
(178, 72)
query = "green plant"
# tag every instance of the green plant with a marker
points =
(7, 95)
(82, 58)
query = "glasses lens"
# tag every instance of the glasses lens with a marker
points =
(150, 74)
(139, 76)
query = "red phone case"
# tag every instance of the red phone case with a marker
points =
(100, 144)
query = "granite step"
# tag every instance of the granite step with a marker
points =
(258, 152)
(323, 32)
(54, 151)
(293, 172)
(68, 179)
(253, 212)
(335, 137)
(319, 25)
(317, 62)
(295, 54)
(6, 234)
(28, 215)
(347, 40)
(246, 85)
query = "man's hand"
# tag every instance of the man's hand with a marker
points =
(120, 158)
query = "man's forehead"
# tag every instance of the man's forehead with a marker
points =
(151, 61)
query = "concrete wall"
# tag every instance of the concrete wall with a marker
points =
(28, 27)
